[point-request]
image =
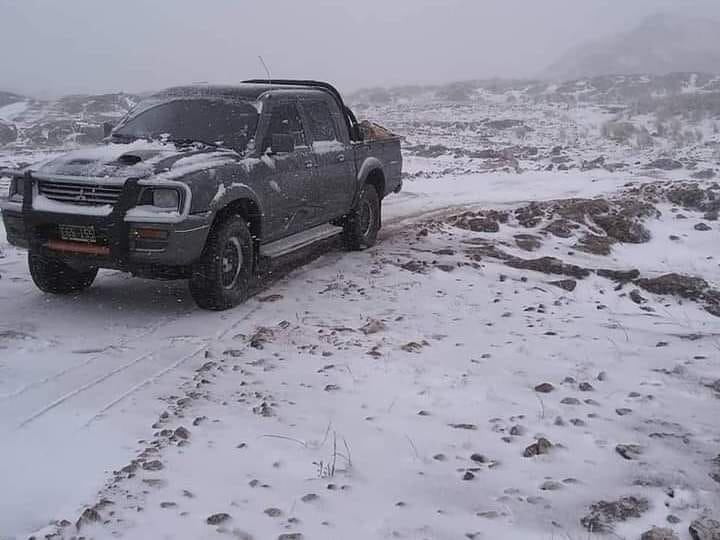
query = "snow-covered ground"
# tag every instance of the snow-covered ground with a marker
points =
(382, 394)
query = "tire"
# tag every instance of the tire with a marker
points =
(363, 223)
(221, 278)
(54, 276)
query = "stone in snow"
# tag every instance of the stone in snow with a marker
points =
(657, 533)
(217, 519)
(705, 528)
(544, 388)
(540, 447)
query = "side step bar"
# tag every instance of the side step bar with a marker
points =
(279, 248)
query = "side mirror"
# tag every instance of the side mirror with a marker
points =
(282, 143)
(107, 129)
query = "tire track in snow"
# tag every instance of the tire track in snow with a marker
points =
(94, 358)
(62, 399)
(174, 365)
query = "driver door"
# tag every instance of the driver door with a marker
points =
(290, 172)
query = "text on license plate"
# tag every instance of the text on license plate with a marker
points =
(78, 233)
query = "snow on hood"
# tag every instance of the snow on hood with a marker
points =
(138, 159)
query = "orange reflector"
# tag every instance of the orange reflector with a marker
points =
(150, 234)
(75, 247)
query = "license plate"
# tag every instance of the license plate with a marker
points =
(78, 233)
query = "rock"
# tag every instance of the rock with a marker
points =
(705, 528)
(596, 163)
(623, 228)
(549, 265)
(687, 196)
(373, 326)
(705, 174)
(629, 451)
(471, 427)
(540, 447)
(623, 411)
(310, 497)
(604, 514)
(504, 124)
(217, 519)
(597, 245)
(620, 276)
(672, 519)
(562, 228)
(479, 458)
(586, 387)
(544, 388)
(273, 512)
(570, 401)
(168, 504)
(154, 465)
(702, 227)
(182, 433)
(517, 431)
(636, 297)
(291, 536)
(261, 337)
(550, 485)
(480, 224)
(89, 515)
(568, 285)
(528, 242)
(412, 347)
(656, 533)
(665, 164)
(675, 284)
(468, 476)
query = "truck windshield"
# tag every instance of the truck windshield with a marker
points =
(210, 121)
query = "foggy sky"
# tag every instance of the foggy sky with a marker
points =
(53, 47)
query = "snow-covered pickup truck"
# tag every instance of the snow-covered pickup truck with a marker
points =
(205, 183)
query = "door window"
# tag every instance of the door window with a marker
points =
(285, 119)
(322, 125)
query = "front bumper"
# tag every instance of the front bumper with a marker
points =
(120, 244)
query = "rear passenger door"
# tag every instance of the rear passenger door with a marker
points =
(334, 177)
(290, 173)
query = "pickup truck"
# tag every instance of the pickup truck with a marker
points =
(205, 183)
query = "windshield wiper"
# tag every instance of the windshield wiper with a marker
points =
(186, 141)
(123, 137)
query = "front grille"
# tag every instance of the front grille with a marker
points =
(82, 194)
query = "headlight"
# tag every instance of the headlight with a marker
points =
(166, 198)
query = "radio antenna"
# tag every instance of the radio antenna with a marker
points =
(267, 70)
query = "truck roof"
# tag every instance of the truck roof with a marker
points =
(253, 89)
(243, 91)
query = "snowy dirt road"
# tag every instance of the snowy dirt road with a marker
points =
(287, 395)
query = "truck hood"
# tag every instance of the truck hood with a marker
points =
(139, 159)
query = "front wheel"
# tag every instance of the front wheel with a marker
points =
(363, 223)
(54, 276)
(221, 278)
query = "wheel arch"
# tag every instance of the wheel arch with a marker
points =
(372, 172)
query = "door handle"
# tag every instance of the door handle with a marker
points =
(341, 158)
(309, 165)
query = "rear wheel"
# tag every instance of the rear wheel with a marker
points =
(54, 276)
(221, 278)
(363, 223)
